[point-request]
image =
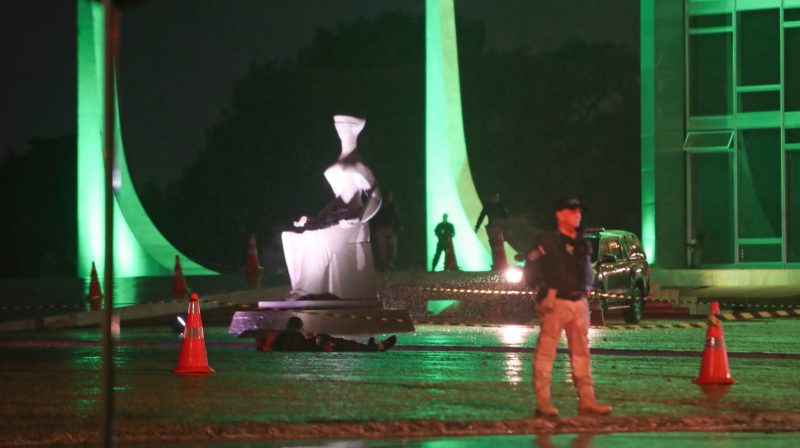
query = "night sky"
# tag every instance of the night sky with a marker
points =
(550, 101)
(180, 58)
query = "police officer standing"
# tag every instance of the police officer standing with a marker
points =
(444, 233)
(564, 281)
(496, 229)
(386, 226)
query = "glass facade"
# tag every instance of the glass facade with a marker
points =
(710, 72)
(758, 47)
(711, 180)
(742, 144)
(793, 202)
(791, 45)
(759, 174)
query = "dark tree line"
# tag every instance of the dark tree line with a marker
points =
(38, 202)
(538, 126)
(561, 123)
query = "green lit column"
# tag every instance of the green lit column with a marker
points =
(449, 185)
(647, 54)
(663, 130)
(91, 208)
(139, 248)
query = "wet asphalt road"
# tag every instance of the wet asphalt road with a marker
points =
(439, 381)
(584, 440)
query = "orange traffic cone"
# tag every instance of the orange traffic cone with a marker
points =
(253, 265)
(179, 288)
(193, 358)
(714, 369)
(95, 296)
(253, 268)
(450, 263)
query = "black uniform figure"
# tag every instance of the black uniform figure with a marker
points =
(496, 230)
(294, 339)
(386, 226)
(444, 232)
(568, 269)
(495, 210)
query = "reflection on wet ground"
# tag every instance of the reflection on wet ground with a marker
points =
(633, 440)
(448, 374)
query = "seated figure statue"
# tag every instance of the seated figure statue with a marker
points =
(330, 254)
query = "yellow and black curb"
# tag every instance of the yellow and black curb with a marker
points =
(82, 306)
(41, 307)
(646, 298)
(727, 316)
(774, 314)
(682, 326)
(509, 292)
(612, 296)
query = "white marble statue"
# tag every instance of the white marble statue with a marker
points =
(331, 253)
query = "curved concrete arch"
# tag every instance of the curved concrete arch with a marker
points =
(139, 248)
(449, 185)
(142, 250)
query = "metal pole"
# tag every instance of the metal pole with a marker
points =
(111, 33)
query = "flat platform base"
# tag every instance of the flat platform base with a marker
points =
(319, 304)
(336, 322)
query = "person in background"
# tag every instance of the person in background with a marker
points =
(444, 233)
(496, 229)
(386, 226)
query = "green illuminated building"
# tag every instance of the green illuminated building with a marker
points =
(721, 136)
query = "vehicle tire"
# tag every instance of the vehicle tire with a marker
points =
(633, 314)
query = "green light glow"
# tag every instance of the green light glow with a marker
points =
(91, 208)
(648, 129)
(437, 307)
(139, 248)
(449, 185)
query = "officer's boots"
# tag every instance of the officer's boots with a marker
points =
(588, 405)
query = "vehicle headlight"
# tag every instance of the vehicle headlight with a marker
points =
(513, 275)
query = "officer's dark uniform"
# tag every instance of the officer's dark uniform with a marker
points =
(494, 211)
(295, 341)
(444, 232)
(565, 272)
(385, 226)
(495, 230)
(565, 266)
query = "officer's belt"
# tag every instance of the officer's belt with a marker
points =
(565, 295)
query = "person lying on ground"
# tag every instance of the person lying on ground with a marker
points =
(294, 339)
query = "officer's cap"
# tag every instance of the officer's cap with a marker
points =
(572, 203)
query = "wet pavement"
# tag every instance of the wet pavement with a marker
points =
(637, 440)
(442, 381)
